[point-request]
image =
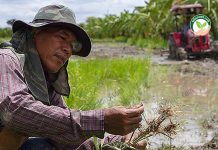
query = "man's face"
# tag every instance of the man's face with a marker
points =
(54, 47)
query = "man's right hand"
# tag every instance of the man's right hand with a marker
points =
(121, 120)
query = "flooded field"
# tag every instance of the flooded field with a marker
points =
(191, 86)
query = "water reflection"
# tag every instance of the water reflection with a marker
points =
(196, 95)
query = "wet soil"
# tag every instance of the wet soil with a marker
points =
(190, 84)
(115, 50)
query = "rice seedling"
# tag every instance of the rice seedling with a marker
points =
(162, 124)
(99, 82)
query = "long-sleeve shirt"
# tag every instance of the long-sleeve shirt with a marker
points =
(20, 111)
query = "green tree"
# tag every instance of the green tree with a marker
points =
(149, 21)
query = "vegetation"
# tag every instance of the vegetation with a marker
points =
(149, 23)
(97, 83)
(5, 34)
(106, 82)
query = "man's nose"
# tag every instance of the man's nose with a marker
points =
(67, 49)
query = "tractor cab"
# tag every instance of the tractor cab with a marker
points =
(182, 42)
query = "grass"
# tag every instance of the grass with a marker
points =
(106, 82)
(5, 32)
(4, 39)
(148, 43)
(98, 83)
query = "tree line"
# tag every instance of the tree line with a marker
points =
(152, 21)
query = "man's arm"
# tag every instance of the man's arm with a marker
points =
(21, 112)
(57, 100)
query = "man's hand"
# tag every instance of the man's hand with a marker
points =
(121, 120)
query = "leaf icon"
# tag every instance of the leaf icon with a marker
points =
(204, 24)
(199, 24)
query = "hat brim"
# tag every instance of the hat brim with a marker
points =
(81, 35)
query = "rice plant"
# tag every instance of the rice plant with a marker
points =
(101, 83)
(163, 124)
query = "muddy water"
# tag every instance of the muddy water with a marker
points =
(192, 86)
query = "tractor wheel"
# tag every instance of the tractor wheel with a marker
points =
(172, 49)
(181, 54)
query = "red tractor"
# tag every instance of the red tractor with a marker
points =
(183, 43)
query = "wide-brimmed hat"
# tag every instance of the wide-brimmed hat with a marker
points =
(58, 15)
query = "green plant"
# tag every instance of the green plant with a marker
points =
(121, 39)
(4, 39)
(151, 22)
(100, 81)
(5, 32)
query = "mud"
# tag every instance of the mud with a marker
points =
(190, 84)
(110, 50)
(193, 86)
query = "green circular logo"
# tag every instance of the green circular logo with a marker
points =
(200, 25)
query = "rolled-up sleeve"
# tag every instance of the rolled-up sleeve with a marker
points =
(21, 112)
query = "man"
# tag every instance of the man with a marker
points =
(186, 26)
(33, 77)
(185, 30)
